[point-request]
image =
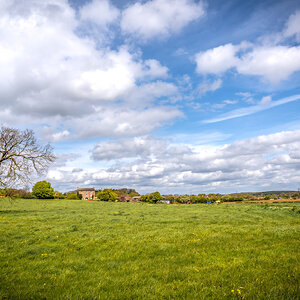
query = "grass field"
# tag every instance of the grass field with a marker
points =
(63, 249)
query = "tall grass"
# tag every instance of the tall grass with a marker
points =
(58, 249)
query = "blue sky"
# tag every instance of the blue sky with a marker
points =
(180, 96)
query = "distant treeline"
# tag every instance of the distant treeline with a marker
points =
(72, 195)
(234, 197)
(156, 197)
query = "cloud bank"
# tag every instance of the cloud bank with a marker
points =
(269, 161)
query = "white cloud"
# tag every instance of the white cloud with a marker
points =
(159, 17)
(119, 121)
(230, 101)
(51, 75)
(269, 60)
(58, 136)
(246, 96)
(154, 69)
(270, 160)
(265, 103)
(101, 12)
(148, 92)
(293, 26)
(207, 86)
(126, 148)
(216, 60)
(274, 63)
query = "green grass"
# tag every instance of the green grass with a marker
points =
(63, 249)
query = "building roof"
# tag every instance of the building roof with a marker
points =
(86, 189)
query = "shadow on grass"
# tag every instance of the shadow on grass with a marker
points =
(11, 211)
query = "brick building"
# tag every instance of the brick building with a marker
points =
(87, 193)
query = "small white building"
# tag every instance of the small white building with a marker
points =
(164, 201)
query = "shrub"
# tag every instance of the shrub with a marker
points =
(43, 190)
(72, 196)
(151, 198)
(107, 195)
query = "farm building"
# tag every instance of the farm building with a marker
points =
(124, 198)
(136, 198)
(87, 193)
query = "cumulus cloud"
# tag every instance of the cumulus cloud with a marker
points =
(159, 17)
(154, 90)
(270, 160)
(272, 61)
(217, 60)
(49, 74)
(101, 12)
(121, 121)
(127, 148)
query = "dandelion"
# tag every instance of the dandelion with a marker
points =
(232, 291)
(239, 292)
(197, 270)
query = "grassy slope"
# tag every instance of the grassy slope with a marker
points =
(78, 249)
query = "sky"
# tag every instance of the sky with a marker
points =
(179, 96)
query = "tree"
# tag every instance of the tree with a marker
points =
(107, 195)
(43, 190)
(58, 195)
(72, 196)
(21, 155)
(17, 193)
(151, 198)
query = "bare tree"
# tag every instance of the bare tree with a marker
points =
(21, 156)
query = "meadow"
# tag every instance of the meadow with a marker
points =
(71, 249)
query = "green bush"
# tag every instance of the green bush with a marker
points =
(72, 196)
(58, 195)
(43, 190)
(151, 198)
(107, 195)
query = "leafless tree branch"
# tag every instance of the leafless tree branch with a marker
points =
(21, 156)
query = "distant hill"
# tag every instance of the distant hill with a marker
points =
(273, 193)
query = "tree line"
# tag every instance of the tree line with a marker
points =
(44, 190)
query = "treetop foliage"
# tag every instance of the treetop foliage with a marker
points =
(43, 190)
(107, 195)
(151, 198)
